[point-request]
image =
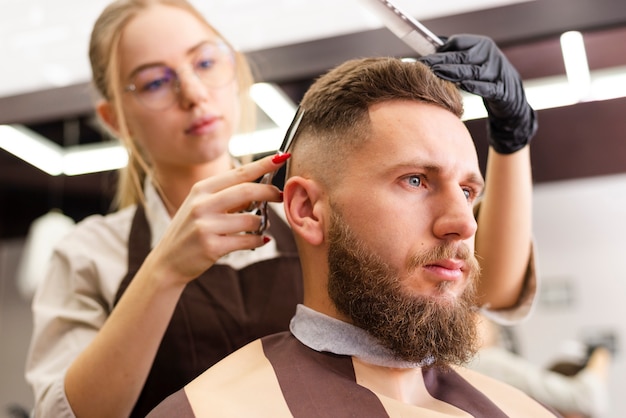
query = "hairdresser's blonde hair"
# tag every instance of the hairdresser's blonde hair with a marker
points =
(104, 58)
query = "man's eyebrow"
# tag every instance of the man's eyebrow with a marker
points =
(477, 179)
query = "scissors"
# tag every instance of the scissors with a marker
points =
(261, 207)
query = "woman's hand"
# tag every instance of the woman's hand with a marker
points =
(479, 67)
(212, 221)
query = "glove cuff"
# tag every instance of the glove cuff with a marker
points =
(508, 136)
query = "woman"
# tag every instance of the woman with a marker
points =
(139, 302)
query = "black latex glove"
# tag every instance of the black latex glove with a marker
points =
(477, 65)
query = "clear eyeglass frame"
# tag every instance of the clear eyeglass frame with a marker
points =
(158, 87)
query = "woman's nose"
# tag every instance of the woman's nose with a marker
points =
(191, 90)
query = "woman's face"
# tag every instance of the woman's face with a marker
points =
(196, 128)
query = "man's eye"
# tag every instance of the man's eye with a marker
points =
(414, 181)
(470, 194)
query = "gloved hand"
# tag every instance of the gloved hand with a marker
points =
(477, 65)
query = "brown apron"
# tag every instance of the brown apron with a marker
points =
(219, 312)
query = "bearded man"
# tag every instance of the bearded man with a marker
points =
(380, 191)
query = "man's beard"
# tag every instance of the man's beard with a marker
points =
(437, 330)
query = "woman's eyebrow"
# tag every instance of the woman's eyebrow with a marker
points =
(189, 51)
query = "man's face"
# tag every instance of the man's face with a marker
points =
(401, 237)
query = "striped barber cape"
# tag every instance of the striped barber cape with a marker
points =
(278, 376)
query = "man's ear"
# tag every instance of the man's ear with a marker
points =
(107, 114)
(304, 208)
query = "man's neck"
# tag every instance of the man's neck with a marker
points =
(403, 384)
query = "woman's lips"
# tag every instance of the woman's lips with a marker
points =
(202, 125)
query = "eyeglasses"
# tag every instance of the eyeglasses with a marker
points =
(261, 207)
(158, 86)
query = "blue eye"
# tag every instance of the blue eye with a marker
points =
(214, 64)
(470, 193)
(414, 180)
(154, 80)
(208, 57)
(205, 64)
(156, 85)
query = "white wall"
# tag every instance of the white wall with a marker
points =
(580, 232)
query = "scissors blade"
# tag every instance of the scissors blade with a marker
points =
(268, 177)
(291, 131)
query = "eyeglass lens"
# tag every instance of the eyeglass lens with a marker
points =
(157, 86)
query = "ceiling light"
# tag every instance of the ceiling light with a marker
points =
(54, 160)
(32, 148)
(575, 60)
(274, 102)
(46, 155)
(92, 158)
(608, 84)
(258, 142)
(557, 91)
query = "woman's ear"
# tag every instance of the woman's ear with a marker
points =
(304, 208)
(107, 114)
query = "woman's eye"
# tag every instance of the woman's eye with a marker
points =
(155, 85)
(154, 79)
(205, 64)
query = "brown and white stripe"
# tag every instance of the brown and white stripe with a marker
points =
(277, 376)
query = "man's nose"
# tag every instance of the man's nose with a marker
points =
(455, 217)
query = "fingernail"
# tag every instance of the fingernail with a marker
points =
(282, 196)
(281, 158)
(266, 239)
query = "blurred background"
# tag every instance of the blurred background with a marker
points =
(579, 153)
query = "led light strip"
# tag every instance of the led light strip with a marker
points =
(83, 159)
(32, 148)
(575, 60)
(49, 157)
(558, 91)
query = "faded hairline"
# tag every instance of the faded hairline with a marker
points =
(336, 121)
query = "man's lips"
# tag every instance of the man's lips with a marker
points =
(447, 269)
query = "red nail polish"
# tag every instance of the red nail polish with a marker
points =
(281, 158)
(266, 239)
(282, 196)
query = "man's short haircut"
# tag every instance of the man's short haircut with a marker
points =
(336, 119)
